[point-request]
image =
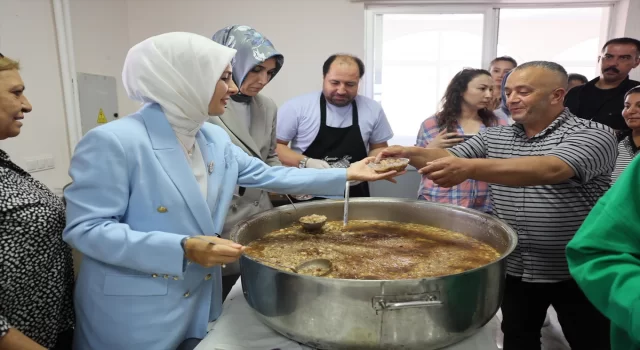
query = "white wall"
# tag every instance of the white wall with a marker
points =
(101, 40)
(27, 33)
(627, 23)
(632, 28)
(104, 30)
(306, 32)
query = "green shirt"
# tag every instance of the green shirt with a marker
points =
(604, 258)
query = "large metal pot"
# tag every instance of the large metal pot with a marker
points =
(423, 314)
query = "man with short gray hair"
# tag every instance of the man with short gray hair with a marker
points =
(545, 172)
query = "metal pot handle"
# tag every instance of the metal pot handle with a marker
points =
(381, 303)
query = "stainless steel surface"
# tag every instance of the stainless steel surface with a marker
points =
(309, 226)
(322, 265)
(291, 201)
(423, 314)
(312, 227)
(345, 216)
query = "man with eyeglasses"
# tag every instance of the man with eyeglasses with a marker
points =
(602, 99)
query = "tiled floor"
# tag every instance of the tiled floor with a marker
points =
(552, 337)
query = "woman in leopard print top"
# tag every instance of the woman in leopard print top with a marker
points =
(36, 267)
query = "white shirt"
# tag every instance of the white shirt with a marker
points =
(196, 160)
(299, 120)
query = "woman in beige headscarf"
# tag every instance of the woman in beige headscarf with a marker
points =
(149, 197)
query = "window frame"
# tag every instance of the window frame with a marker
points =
(491, 12)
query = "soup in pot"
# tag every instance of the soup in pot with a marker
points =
(374, 250)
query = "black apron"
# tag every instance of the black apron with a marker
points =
(340, 145)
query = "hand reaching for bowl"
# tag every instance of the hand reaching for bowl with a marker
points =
(209, 251)
(448, 171)
(393, 152)
(361, 171)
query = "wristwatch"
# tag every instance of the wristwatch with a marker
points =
(303, 163)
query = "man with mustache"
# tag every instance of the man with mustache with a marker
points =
(335, 127)
(602, 99)
(545, 172)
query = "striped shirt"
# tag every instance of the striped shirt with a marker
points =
(547, 216)
(627, 150)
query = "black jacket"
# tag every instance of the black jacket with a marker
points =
(609, 111)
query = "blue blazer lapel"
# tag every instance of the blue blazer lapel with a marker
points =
(172, 159)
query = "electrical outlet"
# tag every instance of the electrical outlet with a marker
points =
(50, 164)
(32, 164)
(40, 163)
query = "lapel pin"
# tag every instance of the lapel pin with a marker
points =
(162, 209)
(210, 167)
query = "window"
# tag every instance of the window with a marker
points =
(415, 52)
(524, 35)
(420, 55)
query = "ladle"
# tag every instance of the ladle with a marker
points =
(346, 205)
(320, 267)
(309, 226)
(315, 226)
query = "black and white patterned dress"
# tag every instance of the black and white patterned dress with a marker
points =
(36, 266)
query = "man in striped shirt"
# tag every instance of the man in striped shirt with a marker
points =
(546, 172)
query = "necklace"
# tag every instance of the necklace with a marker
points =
(189, 151)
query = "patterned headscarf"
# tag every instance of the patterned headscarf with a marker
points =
(253, 49)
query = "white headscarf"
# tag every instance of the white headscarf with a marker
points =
(179, 71)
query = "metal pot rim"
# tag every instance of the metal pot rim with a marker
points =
(512, 233)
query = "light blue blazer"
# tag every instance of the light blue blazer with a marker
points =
(132, 200)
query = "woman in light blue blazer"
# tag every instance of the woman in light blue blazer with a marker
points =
(150, 193)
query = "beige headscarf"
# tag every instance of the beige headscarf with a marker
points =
(179, 71)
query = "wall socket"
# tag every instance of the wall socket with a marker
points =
(40, 163)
